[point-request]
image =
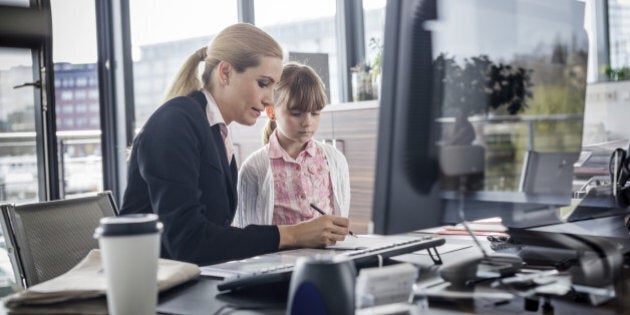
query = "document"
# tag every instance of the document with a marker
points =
(257, 264)
(87, 280)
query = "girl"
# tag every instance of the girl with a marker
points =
(279, 182)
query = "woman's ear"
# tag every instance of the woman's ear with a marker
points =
(225, 68)
(270, 113)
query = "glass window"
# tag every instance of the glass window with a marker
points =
(304, 27)
(66, 96)
(93, 81)
(82, 81)
(374, 20)
(72, 28)
(80, 95)
(81, 108)
(18, 184)
(66, 109)
(81, 122)
(163, 34)
(619, 26)
(94, 108)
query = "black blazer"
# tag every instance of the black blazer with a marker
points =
(178, 169)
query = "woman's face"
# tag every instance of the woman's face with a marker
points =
(294, 126)
(246, 94)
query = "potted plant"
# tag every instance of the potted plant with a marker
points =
(478, 85)
(473, 86)
(377, 47)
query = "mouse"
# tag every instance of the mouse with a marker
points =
(460, 272)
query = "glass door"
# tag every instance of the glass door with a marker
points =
(28, 159)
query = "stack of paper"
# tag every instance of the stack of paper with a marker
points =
(85, 286)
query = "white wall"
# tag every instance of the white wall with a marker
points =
(607, 112)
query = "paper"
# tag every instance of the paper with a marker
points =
(87, 280)
(256, 264)
(365, 241)
(445, 248)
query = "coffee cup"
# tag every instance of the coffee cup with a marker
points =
(130, 248)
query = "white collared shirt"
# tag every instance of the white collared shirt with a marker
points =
(216, 118)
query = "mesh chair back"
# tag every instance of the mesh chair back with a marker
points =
(49, 238)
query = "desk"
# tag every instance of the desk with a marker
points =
(202, 297)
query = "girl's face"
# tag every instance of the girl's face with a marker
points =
(247, 93)
(294, 126)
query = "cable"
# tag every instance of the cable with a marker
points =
(460, 210)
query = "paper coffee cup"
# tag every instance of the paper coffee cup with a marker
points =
(130, 248)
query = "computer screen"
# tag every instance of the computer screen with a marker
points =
(482, 108)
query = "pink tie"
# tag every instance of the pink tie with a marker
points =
(227, 141)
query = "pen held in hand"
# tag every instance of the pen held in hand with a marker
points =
(316, 208)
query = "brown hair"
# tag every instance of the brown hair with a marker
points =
(299, 88)
(242, 45)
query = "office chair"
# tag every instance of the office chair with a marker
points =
(46, 239)
(547, 172)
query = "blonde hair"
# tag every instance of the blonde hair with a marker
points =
(242, 45)
(300, 89)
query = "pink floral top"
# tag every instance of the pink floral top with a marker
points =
(299, 182)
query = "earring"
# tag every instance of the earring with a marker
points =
(227, 81)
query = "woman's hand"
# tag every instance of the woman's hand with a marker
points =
(319, 232)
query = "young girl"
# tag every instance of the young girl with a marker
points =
(278, 183)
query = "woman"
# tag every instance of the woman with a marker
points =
(182, 167)
(278, 183)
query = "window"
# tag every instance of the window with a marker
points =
(374, 19)
(18, 157)
(304, 26)
(80, 95)
(67, 96)
(67, 109)
(163, 34)
(81, 108)
(74, 25)
(619, 26)
(81, 122)
(81, 81)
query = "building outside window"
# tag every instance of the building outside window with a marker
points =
(163, 34)
(619, 27)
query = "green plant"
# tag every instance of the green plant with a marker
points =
(617, 74)
(376, 45)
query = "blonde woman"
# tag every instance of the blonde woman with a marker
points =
(279, 182)
(182, 166)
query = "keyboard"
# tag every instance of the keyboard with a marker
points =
(278, 267)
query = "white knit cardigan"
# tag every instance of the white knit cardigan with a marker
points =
(256, 191)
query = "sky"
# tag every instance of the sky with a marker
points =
(154, 21)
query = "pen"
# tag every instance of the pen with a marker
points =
(316, 208)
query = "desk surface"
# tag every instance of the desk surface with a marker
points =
(202, 297)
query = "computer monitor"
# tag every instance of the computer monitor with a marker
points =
(481, 107)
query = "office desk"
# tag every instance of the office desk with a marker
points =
(202, 297)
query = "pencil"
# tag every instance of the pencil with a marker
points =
(316, 208)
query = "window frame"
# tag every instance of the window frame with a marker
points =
(31, 27)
